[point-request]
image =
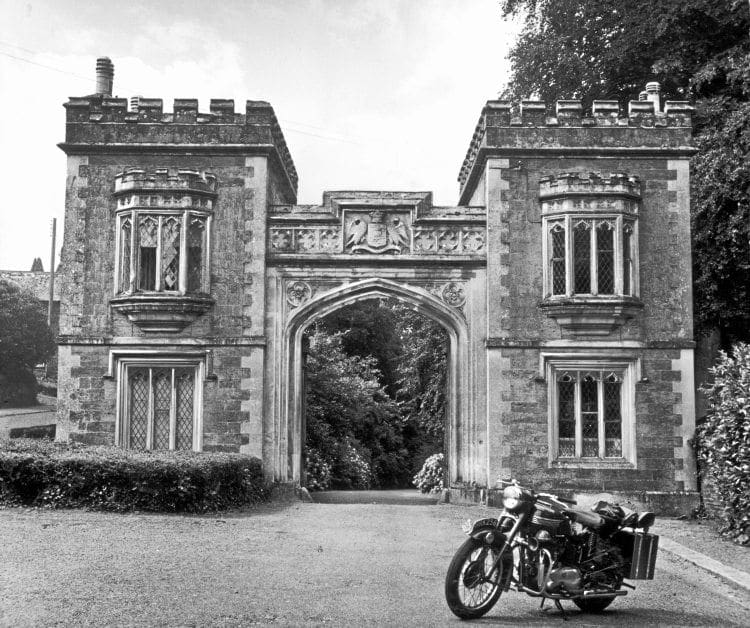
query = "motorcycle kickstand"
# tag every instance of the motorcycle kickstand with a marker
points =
(559, 606)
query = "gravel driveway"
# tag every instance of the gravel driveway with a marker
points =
(295, 564)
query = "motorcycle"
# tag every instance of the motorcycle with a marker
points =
(544, 546)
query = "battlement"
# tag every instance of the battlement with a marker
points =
(166, 180)
(513, 128)
(98, 120)
(573, 184)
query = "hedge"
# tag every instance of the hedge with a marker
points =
(723, 439)
(60, 475)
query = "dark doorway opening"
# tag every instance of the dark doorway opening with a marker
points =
(375, 397)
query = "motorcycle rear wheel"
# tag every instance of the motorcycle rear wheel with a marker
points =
(468, 590)
(595, 605)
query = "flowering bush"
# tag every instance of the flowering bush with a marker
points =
(318, 471)
(59, 475)
(431, 477)
(723, 439)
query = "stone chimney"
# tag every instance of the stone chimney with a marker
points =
(105, 74)
(134, 100)
(653, 93)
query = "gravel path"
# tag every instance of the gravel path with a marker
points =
(293, 565)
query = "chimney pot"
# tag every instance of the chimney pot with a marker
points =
(105, 74)
(653, 93)
(134, 103)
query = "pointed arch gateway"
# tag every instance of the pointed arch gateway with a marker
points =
(289, 440)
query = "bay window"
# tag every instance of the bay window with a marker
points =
(162, 252)
(588, 255)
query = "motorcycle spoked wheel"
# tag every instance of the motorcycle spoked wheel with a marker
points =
(468, 590)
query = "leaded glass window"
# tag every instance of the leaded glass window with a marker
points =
(148, 227)
(582, 258)
(159, 411)
(196, 246)
(170, 253)
(167, 253)
(126, 229)
(627, 258)
(605, 258)
(590, 256)
(557, 261)
(588, 407)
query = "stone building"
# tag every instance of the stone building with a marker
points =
(562, 278)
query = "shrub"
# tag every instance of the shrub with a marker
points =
(317, 470)
(58, 475)
(723, 439)
(431, 476)
(350, 468)
(18, 388)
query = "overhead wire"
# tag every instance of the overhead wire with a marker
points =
(288, 123)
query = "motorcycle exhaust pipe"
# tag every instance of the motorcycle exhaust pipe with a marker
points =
(593, 594)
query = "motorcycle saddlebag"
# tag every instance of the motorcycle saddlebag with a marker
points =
(645, 547)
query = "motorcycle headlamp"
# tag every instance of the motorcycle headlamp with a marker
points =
(512, 498)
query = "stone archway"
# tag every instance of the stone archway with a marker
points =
(291, 437)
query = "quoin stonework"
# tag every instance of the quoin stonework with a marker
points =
(563, 278)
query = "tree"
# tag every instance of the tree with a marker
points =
(351, 422)
(697, 49)
(25, 341)
(386, 344)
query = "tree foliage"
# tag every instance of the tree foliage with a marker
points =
(376, 374)
(696, 49)
(25, 337)
(25, 340)
(350, 420)
(723, 439)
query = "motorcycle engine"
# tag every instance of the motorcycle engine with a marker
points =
(599, 563)
(564, 579)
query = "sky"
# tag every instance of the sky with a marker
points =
(371, 95)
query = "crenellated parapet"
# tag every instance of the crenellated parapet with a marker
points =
(534, 127)
(101, 120)
(167, 180)
(573, 184)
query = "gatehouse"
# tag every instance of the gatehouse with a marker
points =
(562, 277)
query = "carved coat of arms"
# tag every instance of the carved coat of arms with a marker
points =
(377, 232)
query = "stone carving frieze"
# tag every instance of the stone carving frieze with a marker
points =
(379, 232)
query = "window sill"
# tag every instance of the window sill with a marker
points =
(591, 463)
(162, 312)
(591, 315)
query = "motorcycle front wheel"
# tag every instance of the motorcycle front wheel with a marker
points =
(469, 590)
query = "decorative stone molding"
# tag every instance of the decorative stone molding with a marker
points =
(162, 313)
(297, 292)
(591, 316)
(388, 238)
(453, 294)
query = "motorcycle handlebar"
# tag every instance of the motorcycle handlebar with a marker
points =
(564, 500)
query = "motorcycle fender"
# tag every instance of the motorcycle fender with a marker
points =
(496, 538)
